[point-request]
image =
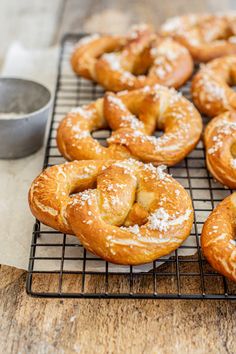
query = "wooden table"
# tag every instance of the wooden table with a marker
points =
(30, 325)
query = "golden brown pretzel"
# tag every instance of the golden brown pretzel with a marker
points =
(89, 48)
(218, 238)
(206, 36)
(156, 107)
(51, 191)
(125, 63)
(210, 86)
(134, 214)
(220, 143)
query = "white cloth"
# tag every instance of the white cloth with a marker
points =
(16, 175)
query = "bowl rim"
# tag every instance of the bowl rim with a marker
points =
(27, 115)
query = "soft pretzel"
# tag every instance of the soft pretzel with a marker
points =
(218, 238)
(51, 191)
(124, 63)
(156, 107)
(210, 86)
(89, 49)
(220, 143)
(206, 36)
(125, 212)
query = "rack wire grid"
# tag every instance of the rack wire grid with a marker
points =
(60, 267)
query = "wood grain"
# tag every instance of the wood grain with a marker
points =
(33, 325)
(36, 325)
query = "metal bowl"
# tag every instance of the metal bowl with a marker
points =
(24, 109)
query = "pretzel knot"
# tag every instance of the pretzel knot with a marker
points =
(206, 36)
(124, 63)
(218, 237)
(133, 116)
(125, 212)
(210, 87)
(220, 143)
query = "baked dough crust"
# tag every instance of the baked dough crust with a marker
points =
(218, 241)
(126, 212)
(206, 36)
(156, 107)
(211, 89)
(220, 144)
(125, 63)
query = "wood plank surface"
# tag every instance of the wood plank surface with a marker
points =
(36, 325)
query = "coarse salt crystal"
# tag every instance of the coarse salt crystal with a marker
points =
(159, 220)
(233, 242)
(117, 102)
(113, 60)
(133, 229)
(162, 221)
(233, 163)
(82, 135)
(83, 111)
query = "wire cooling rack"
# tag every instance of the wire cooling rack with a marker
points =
(60, 267)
